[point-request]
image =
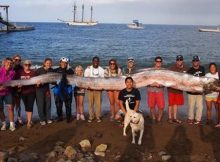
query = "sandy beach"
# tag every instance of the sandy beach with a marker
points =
(183, 142)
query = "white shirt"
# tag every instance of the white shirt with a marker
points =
(213, 94)
(94, 72)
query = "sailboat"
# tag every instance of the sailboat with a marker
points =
(74, 22)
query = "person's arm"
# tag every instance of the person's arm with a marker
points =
(121, 104)
(138, 99)
(137, 105)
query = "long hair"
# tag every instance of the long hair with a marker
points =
(116, 65)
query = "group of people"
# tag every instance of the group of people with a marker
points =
(63, 93)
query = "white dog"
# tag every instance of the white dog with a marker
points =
(136, 121)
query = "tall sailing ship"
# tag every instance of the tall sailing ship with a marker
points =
(82, 22)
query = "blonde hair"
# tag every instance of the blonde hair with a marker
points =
(79, 70)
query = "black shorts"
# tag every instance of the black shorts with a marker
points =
(28, 100)
(79, 92)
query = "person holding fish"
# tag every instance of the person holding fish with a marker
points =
(94, 96)
(16, 91)
(195, 99)
(155, 93)
(63, 91)
(79, 94)
(6, 74)
(43, 95)
(175, 97)
(113, 71)
(28, 93)
(211, 98)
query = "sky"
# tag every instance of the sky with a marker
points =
(182, 12)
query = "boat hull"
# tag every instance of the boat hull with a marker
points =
(17, 29)
(131, 26)
(210, 30)
(71, 23)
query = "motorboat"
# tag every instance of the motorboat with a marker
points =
(136, 25)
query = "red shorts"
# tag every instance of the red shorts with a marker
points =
(156, 98)
(175, 98)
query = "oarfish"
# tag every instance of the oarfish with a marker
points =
(44, 78)
(176, 80)
(167, 78)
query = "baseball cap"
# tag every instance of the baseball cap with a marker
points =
(64, 59)
(196, 58)
(130, 59)
(179, 57)
(27, 62)
(158, 57)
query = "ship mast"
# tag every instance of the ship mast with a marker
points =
(91, 13)
(74, 12)
(82, 12)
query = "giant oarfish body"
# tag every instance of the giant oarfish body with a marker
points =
(44, 78)
(167, 78)
(176, 80)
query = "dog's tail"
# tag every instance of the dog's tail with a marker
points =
(127, 106)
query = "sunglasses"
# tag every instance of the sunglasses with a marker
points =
(17, 59)
(195, 60)
(112, 63)
(27, 65)
(179, 59)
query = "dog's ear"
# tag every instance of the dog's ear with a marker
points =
(127, 105)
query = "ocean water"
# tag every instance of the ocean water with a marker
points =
(108, 41)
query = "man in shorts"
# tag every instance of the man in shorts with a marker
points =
(155, 93)
(132, 95)
(175, 97)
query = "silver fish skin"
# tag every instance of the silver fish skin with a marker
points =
(176, 80)
(44, 78)
(167, 78)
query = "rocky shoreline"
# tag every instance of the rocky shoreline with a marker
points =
(80, 141)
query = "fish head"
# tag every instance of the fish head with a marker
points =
(213, 86)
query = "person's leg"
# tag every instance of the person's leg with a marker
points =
(199, 107)
(81, 107)
(59, 105)
(40, 101)
(191, 104)
(2, 114)
(98, 101)
(77, 106)
(151, 104)
(112, 103)
(17, 105)
(91, 104)
(161, 104)
(68, 103)
(170, 107)
(216, 104)
(117, 105)
(48, 106)
(209, 111)
(29, 110)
